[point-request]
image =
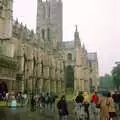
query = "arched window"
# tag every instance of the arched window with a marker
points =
(48, 33)
(69, 56)
(91, 81)
(44, 12)
(42, 67)
(49, 12)
(90, 66)
(69, 77)
(43, 34)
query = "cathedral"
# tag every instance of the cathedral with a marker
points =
(41, 61)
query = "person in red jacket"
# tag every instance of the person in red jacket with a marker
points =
(95, 98)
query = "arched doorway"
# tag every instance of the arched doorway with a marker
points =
(3, 89)
(3, 86)
(70, 78)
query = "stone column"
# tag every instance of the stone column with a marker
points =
(30, 84)
(47, 85)
(82, 85)
(8, 19)
(9, 84)
(57, 86)
(52, 86)
(53, 80)
(41, 84)
(46, 79)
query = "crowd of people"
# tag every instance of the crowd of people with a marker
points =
(43, 101)
(33, 101)
(101, 107)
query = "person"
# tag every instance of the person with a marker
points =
(103, 108)
(62, 108)
(111, 107)
(86, 108)
(115, 97)
(52, 101)
(95, 98)
(33, 104)
(41, 101)
(47, 101)
(79, 108)
(92, 110)
(119, 101)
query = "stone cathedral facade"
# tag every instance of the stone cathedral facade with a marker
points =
(41, 61)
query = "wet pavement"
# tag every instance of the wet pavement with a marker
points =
(26, 114)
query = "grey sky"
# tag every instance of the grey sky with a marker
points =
(98, 21)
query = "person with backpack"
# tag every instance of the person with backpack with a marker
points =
(47, 101)
(79, 107)
(111, 107)
(62, 108)
(104, 115)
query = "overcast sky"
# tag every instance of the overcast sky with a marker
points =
(98, 22)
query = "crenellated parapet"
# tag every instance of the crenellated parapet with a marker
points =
(21, 32)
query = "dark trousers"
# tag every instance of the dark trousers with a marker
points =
(87, 112)
(32, 108)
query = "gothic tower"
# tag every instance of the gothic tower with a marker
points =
(78, 81)
(49, 20)
(6, 7)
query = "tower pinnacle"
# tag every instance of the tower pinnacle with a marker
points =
(76, 28)
(76, 37)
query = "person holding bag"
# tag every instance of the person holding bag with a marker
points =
(111, 107)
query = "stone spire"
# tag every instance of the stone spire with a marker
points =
(83, 46)
(76, 37)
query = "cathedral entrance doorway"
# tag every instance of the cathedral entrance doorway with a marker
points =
(70, 79)
(3, 89)
(3, 86)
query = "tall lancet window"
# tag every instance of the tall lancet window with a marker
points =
(42, 67)
(44, 12)
(49, 12)
(43, 34)
(48, 33)
(69, 56)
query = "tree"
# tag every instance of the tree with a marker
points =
(116, 75)
(106, 82)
